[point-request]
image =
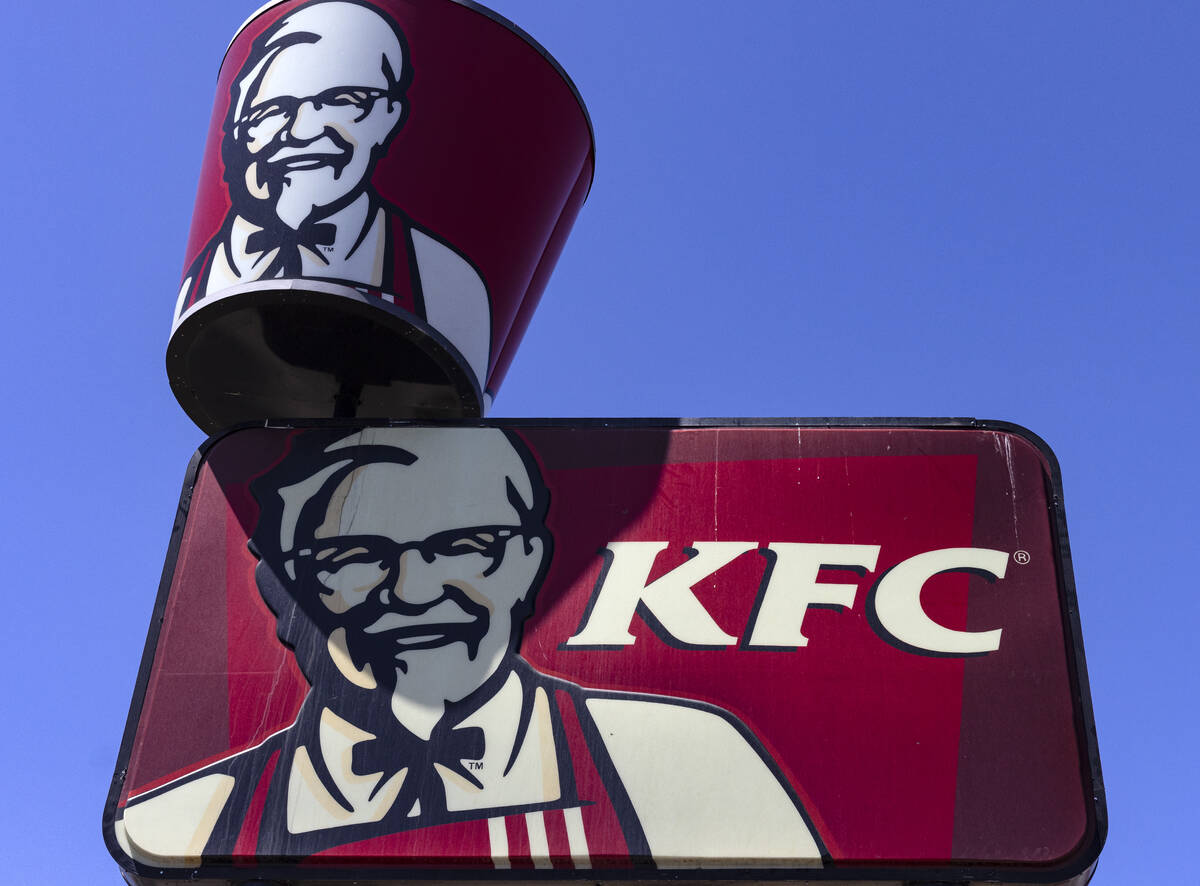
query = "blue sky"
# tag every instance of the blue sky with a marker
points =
(800, 209)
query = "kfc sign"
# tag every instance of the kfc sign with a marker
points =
(602, 651)
(789, 587)
(364, 240)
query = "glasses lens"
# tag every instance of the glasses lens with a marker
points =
(347, 97)
(487, 541)
(274, 111)
(351, 569)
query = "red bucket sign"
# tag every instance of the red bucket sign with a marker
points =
(560, 650)
(386, 187)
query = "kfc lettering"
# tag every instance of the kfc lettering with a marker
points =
(789, 587)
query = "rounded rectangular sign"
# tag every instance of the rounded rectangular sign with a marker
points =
(614, 650)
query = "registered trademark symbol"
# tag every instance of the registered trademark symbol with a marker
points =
(1021, 557)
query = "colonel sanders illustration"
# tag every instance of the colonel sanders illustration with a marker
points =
(311, 112)
(400, 564)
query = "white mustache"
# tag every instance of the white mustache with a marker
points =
(445, 612)
(322, 146)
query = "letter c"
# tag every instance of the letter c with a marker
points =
(894, 606)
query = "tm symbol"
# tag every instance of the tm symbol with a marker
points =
(474, 764)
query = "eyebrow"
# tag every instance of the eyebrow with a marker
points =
(349, 552)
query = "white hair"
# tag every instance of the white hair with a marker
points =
(352, 28)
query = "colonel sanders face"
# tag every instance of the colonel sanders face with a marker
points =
(415, 555)
(312, 110)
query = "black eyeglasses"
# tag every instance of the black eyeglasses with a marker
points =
(365, 561)
(285, 107)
